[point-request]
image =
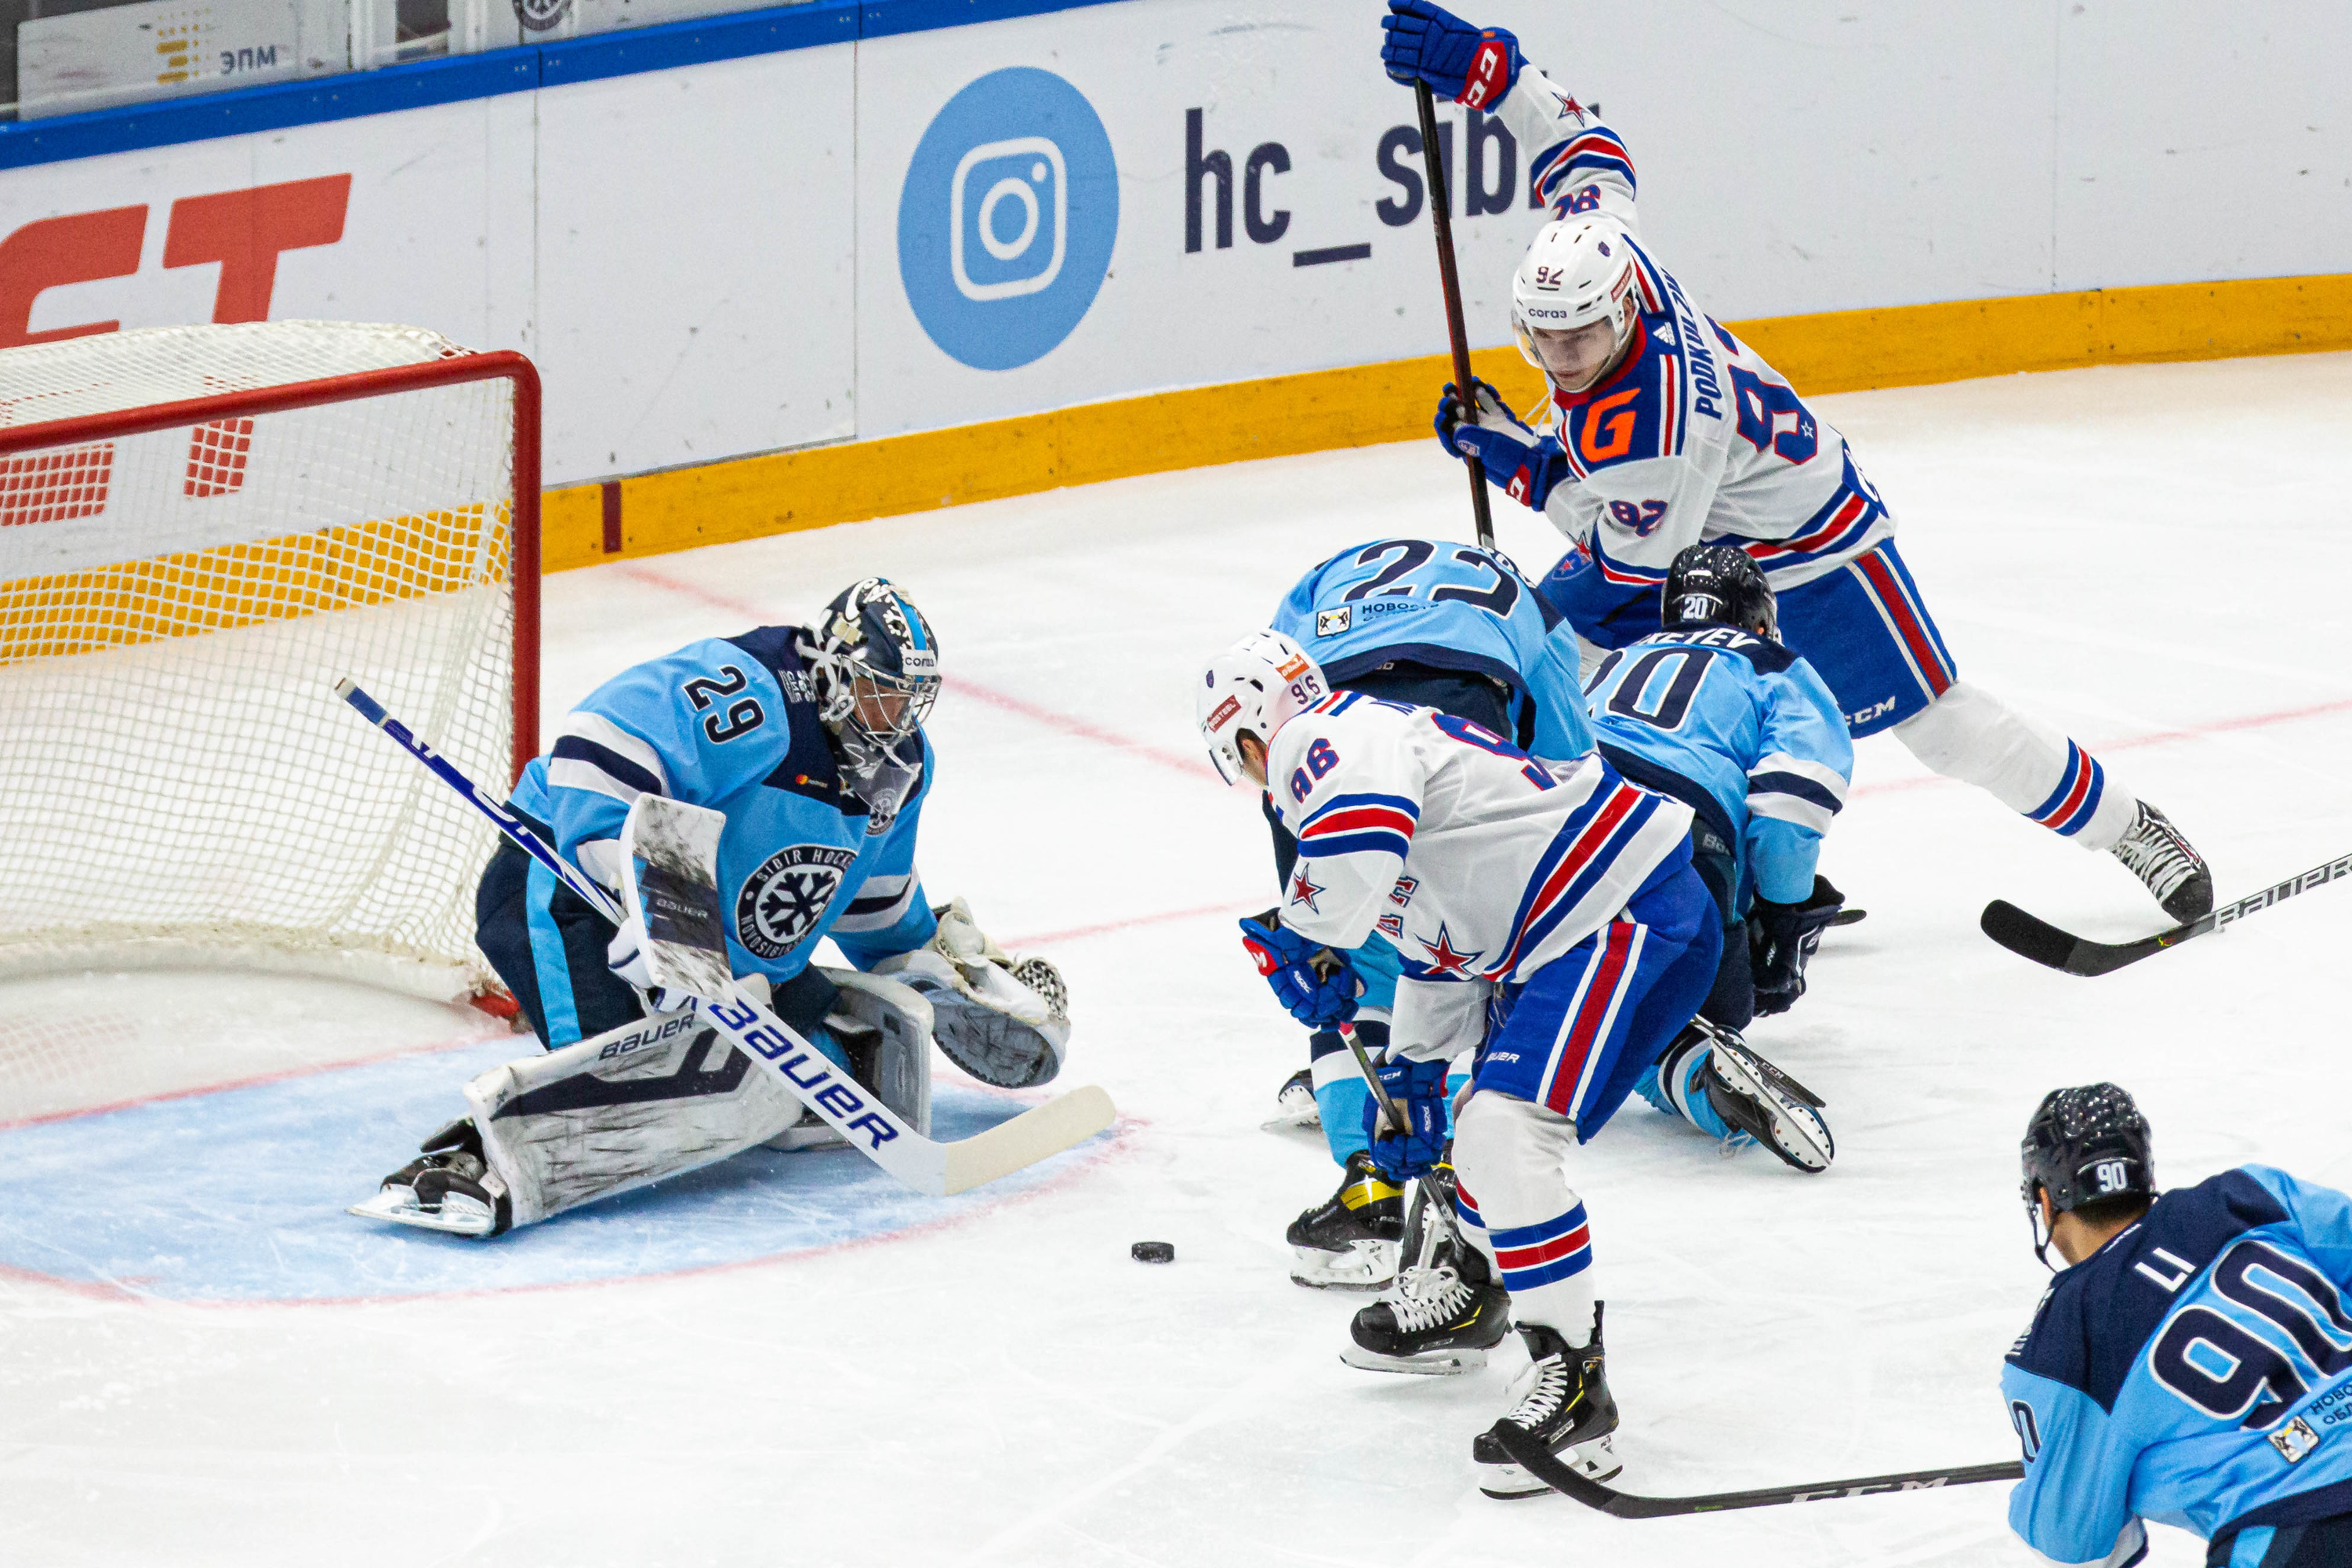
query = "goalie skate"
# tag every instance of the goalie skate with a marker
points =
(449, 1187)
(1767, 1104)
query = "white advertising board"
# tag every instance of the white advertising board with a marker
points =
(936, 228)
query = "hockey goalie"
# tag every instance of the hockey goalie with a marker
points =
(810, 740)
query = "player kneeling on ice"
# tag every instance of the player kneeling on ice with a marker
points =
(1440, 625)
(2190, 1364)
(810, 741)
(1713, 711)
(1556, 901)
(1664, 430)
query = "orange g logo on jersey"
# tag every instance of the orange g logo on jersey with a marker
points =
(1608, 430)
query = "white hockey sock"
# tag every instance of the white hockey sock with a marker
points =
(1969, 735)
(1507, 1155)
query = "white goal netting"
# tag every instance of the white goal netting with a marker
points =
(178, 781)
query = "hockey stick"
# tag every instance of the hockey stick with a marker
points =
(2030, 936)
(1538, 1461)
(1441, 219)
(686, 945)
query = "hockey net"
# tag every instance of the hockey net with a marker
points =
(201, 529)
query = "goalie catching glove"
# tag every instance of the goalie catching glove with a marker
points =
(1004, 1020)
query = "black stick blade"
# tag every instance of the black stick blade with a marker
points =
(2025, 935)
(1540, 1462)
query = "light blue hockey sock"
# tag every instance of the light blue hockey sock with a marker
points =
(1673, 1085)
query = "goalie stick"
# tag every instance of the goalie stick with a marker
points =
(687, 948)
(2029, 936)
(1540, 1462)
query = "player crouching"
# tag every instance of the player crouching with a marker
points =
(810, 740)
(1557, 896)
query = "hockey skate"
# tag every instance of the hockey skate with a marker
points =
(1294, 1104)
(1350, 1242)
(2161, 857)
(449, 1187)
(1766, 1103)
(1439, 1320)
(1566, 1407)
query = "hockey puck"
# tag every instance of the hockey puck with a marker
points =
(1153, 1252)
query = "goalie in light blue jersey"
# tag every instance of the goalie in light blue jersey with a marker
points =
(2192, 1363)
(810, 740)
(1446, 625)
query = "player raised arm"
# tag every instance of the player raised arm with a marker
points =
(1574, 161)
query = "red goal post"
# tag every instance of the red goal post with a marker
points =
(201, 529)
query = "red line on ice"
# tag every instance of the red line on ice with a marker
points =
(1003, 700)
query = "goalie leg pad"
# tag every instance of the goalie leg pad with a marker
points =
(886, 1028)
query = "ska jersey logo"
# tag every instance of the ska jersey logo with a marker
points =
(783, 900)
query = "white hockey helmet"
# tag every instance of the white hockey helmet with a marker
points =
(1573, 300)
(1257, 685)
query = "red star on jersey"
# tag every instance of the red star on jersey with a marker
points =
(1442, 959)
(1303, 891)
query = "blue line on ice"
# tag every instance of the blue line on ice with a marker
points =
(238, 1195)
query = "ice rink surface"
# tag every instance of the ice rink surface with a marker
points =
(2149, 556)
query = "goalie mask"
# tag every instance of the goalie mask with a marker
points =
(1255, 688)
(875, 666)
(1573, 300)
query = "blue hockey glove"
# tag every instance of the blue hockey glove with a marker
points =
(1418, 1091)
(1524, 464)
(1473, 65)
(1781, 937)
(1310, 980)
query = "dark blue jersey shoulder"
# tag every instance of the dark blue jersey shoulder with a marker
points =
(809, 768)
(1769, 656)
(2097, 1315)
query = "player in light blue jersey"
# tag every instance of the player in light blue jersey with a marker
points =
(1446, 625)
(1716, 713)
(2192, 1365)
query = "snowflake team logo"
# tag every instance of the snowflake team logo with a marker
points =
(541, 16)
(783, 900)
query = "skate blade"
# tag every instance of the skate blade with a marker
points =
(1365, 1265)
(459, 1214)
(1295, 1111)
(1595, 1461)
(1798, 1135)
(1428, 1363)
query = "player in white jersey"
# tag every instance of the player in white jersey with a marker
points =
(1550, 896)
(1664, 430)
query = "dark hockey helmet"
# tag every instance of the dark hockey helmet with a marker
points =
(874, 665)
(1720, 583)
(2084, 1145)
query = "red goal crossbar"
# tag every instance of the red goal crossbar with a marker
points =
(501, 365)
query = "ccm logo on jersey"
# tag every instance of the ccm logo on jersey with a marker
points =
(1331, 623)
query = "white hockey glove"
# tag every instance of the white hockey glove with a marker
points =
(625, 955)
(1003, 1020)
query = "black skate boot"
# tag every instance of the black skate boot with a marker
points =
(449, 1187)
(1294, 1103)
(1567, 1409)
(1766, 1103)
(2160, 857)
(1438, 1320)
(1349, 1241)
